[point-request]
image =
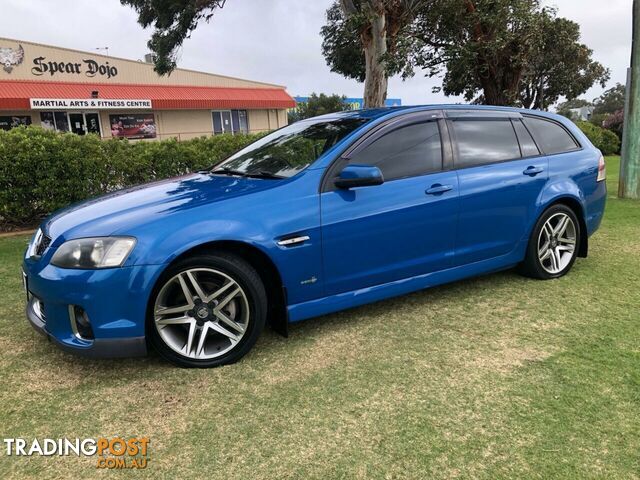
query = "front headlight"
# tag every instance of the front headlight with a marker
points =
(89, 253)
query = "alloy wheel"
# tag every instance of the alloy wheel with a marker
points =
(557, 243)
(201, 313)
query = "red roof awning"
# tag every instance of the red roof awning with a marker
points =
(15, 95)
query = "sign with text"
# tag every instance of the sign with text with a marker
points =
(135, 125)
(88, 103)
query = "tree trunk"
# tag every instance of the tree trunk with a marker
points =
(375, 47)
(629, 184)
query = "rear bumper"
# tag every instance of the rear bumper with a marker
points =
(596, 204)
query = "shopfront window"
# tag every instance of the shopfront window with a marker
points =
(230, 121)
(7, 122)
(79, 123)
(54, 121)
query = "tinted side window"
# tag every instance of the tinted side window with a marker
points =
(527, 145)
(408, 151)
(551, 137)
(484, 141)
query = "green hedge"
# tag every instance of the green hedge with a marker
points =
(42, 171)
(605, 140)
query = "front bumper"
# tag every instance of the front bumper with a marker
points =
(115, 300)
(97, 348)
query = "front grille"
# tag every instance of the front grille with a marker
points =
(44, 243)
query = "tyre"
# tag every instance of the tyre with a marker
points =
(207, 310)
(554, 244)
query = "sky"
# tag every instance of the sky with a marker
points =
(278, 41)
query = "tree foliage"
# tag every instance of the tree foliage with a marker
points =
(611, 100)
(506, 52)
(318, 105)
(481, 47)
(172, 21)
(368, 40)
(559, 65)
(498, 52)
(342, 45)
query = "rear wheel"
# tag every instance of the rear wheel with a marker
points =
(554, 244)
(207, 310)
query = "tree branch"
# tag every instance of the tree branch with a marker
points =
(348, 7)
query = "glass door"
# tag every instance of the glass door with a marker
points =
(76, 123)
(226, 121)
(83, 123)
(92, 122)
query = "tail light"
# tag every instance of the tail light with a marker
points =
(602, 170)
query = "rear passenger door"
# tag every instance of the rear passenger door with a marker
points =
(501, 173)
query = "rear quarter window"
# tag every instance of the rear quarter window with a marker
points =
(550, 136)
(527, 145)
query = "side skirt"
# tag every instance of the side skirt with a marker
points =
(356, 298)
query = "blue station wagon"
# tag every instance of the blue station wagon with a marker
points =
(322, 215)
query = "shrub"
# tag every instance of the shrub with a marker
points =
(615, 123)
(42, 171)
(605, 140)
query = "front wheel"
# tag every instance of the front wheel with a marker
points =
(207, 310)
(554, 244)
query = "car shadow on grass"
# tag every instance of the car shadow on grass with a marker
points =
(271, 346)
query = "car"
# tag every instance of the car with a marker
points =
(322, 215)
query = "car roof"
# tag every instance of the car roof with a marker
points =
(377, 113)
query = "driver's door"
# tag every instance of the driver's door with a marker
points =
(406, 226)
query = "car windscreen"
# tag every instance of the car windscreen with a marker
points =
(287, 151)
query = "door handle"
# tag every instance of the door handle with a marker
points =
(438, 189)
(293, 241)
(532, 171)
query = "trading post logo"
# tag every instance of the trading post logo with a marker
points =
(111, 453)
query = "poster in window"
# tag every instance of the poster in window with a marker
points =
(133, 125)
(9, 122)
(47, 121)
(62, 122)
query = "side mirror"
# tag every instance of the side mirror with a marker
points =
(359, 176)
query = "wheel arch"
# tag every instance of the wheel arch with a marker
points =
(574, 204)
(277, 313)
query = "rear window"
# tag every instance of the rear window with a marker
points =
(482, 141)
(551, 137)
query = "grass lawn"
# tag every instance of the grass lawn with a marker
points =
(499, 376)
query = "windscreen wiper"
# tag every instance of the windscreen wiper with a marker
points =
(263, 174)
(252, 174)
(229, 171)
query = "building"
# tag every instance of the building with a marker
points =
(83, 92)
(582, 113)
(356, 103)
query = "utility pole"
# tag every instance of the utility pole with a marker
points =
(629, 186)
